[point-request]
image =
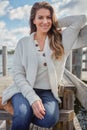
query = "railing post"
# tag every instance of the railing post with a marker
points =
(86, 59)
(77, 62)
(4, 60)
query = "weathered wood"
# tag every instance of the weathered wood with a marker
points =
(68, 104)
(84, 60)
(77, 62)
(84, 69)
(65, 115)
(4, 115)
(76, 123)
(81, 92)
(4, 60)
(64, 126)
(85, 51)
(8, 124)
(68, 100)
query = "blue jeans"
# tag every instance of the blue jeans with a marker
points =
(23, 114)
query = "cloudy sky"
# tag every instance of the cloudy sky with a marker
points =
(14, 16)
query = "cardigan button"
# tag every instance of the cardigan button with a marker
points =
(44, 54)
(39, 50)
(36, 45)
(45, 64)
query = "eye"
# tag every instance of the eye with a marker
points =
(40, 17)
(48, 17)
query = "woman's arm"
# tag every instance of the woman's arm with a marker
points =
(69, 20)
(19, 76)
(70, 34)
(82, 39)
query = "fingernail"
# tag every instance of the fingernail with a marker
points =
(42, 117)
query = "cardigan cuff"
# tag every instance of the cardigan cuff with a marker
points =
(33, 98)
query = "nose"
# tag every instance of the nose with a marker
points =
(45, 20)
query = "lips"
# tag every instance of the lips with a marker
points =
(45, 27)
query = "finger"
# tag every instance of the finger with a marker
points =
(38, 114)
(43, 106)
(38, 109)
(42, 112)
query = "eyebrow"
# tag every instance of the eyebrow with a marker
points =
(42, 15)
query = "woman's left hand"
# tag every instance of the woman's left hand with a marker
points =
(38, 109)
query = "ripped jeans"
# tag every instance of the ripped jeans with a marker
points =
(23, 114)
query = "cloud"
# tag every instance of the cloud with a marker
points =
(2, 24)
(61, 7)
(20, 12)
(69, 4)
(22, 30)
(10, 37)
(69, 7)
(4, 7)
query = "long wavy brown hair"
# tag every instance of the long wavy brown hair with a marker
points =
(53, 34)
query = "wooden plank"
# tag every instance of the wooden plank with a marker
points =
(76, 123)
(81, 87)
(65, 115)
(84, 60)
(4, 115)
(8, 125)
(84, 69)
(68, 104)
(85, 52)
(68, 100)
(77, 62)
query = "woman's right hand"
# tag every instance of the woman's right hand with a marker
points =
(38, 109)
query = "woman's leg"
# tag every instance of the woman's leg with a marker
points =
(52, 110)
(22, 113)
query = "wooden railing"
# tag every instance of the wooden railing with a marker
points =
(85, 60)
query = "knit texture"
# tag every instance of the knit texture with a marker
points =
(26, 61)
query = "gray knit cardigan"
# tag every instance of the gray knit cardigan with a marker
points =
(26, 62)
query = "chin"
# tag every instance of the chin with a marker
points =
(45, 31)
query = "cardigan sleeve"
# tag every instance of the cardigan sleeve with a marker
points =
(72, 25)
(82, 39)
(19, 76)
(69, 20)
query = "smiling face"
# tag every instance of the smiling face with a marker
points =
(43, 20)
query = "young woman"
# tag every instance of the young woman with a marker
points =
(39, 63)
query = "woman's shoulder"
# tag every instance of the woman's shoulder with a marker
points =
(24, 39)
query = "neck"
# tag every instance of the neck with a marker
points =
(40, 36)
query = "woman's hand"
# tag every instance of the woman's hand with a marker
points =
(38, 109)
